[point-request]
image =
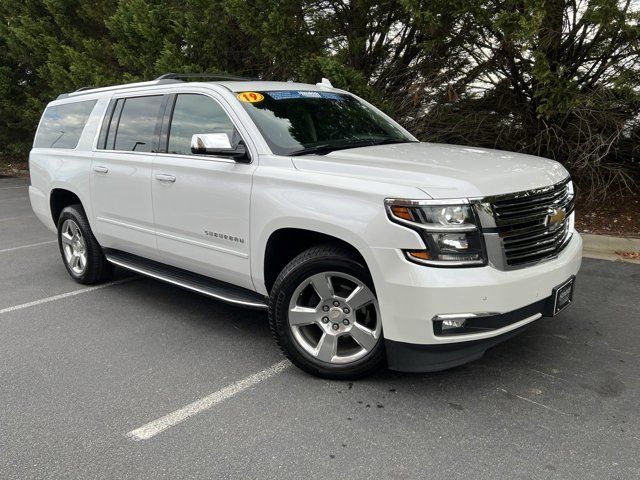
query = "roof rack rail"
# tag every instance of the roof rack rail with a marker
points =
(87, 90)
(213, 76)
(162, 79)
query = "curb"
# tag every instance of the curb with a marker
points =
(604, 247)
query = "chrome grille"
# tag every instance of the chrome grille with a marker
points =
(525, 223)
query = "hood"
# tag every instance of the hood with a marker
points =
(441, 171)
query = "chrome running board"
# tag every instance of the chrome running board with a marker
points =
(191, 281)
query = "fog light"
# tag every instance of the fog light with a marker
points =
(450, 324)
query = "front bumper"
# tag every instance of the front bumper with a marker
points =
(411, 295)
(410, 357)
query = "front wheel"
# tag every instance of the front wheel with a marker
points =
(324, 314)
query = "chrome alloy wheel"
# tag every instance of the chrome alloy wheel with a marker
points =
(74, 247)
(335, 317)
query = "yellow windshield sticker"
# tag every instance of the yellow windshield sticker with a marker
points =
(251, 97)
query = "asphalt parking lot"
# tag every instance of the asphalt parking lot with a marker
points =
(83, 368)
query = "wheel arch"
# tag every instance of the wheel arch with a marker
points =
(285, 243)
(59, 198)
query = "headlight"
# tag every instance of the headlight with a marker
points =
(449, 230)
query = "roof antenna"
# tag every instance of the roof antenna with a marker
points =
(324, 83)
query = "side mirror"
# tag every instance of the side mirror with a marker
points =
(219, 144)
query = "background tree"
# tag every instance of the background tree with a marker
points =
(557, 78)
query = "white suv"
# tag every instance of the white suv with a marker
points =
(365, 245)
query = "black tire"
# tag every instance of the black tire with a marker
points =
(324, 258)
(97, 269)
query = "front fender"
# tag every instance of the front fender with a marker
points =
(344, 208)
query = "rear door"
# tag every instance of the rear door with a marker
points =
(201, 202)
(121, 173)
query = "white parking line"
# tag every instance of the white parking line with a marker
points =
(64, 295)
(15, 218)
(12, 249)
(152, 429)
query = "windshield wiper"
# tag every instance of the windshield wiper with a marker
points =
(318, 149)
(328, 148)
(390, 141)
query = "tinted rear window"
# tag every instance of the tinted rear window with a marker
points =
(138, 126)
(62, 125)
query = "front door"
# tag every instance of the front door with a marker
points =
(121, 174)
(201, 202)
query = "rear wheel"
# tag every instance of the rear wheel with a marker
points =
(81, 253)
(324, 314)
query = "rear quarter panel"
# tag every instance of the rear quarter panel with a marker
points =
(67, 169)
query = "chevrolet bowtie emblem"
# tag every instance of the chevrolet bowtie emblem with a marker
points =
(555, 217)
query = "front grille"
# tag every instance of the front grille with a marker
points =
(527, 226)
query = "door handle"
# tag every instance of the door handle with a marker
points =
(100, 169)
(163, 177)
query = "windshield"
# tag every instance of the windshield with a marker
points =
(295, 122)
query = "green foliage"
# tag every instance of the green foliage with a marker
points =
(556, 78)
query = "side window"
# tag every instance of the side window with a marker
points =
(135, 125)
(193, 114)
(62, 125)
(111, 127)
